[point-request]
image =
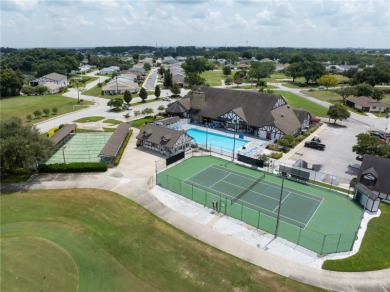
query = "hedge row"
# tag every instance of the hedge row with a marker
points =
(119, 156)
(73, 167)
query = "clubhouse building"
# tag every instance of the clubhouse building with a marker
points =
(266, 116)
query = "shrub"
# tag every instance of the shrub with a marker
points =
(46, 111)
(123, 147)
(161, 108)
(287, 141)
(300, 138)
(37, 114)
(276, 155)
(61, 126)
(29, 118)
(54, 110)
(147, 110)
(73, 167)
(273, 147)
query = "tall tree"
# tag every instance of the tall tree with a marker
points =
(364, 90)
(195, 65)
(167, 78)
(116, 103)
(371, 145)
(127, 97)
(294, 70)
(338, 112)
(143, 94)
(378, 94)
(11, 82)
(175, 90)
(194, 79)
(21, 146)
(157, 91)
(227, 70)
(261, 69)
(345, 92)
(328, 80)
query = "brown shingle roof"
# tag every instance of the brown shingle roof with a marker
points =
(365, 101)
(366, 191)
(379, 167)
(115, 142)
(160, 135)
(285, 119)
(62, 133)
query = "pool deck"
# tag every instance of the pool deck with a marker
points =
(254, 146)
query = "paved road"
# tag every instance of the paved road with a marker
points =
(151, 80)
(133, 178)
(100, 107)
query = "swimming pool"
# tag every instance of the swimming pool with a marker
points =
(215, 140)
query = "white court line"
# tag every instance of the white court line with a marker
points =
(219, 180)
(235, 172)
(313, 214)
(281, 202)
(261, 194)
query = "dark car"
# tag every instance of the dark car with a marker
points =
(315, 145)
(379, 135)
(359, 158)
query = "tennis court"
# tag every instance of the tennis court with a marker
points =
(81, 147)
(316, 218)
(297, 208)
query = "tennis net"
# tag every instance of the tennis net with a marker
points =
(262, 176)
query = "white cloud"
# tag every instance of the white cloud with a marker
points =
(284, 22)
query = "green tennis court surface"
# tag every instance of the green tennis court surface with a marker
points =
(82, 147)
(297, 208)
(316, 218)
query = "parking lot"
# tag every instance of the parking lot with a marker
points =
(337, 157)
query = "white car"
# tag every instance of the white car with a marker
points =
(167, 98)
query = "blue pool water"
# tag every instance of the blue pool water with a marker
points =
(215, 140)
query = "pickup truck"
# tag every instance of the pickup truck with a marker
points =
(315, 145)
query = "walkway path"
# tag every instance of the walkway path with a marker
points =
(133, 178)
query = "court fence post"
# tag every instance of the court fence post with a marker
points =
(338, 243)
(242, 210)
(205, 199)
(299, 235)
(192, 192)
(323, 243)
(258, 220)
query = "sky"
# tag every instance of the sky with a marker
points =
(256, 23)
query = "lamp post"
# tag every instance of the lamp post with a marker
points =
(207, 132)
(279, 207)
(234, 138)
(78, 92)
(63, 153)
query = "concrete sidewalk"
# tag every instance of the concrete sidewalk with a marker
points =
(133, 178)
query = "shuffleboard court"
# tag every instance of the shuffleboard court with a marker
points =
(297, 208)
(82, 147)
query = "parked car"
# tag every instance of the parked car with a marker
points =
(167, 98)
(380, 135)
(359, 158)
(126, 107)
(315, 145)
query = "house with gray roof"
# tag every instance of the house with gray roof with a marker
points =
(164, 140)
(55, 78)
(266, 116)
(373, 183)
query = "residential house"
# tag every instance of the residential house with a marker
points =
(119, 86)
(53, 78)
(164, 140)
(178, 79)
(137, 70)
(109, 70)
(266, 116)
(373, 183)
(366, 104)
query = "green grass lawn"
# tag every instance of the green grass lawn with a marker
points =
(141, 122)
(89, 119)
(96, 91)
(275, 76)
(21, 106)
(95, 240)
(213, 78)
(374, 253)
(300, 102)
(112, 122)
